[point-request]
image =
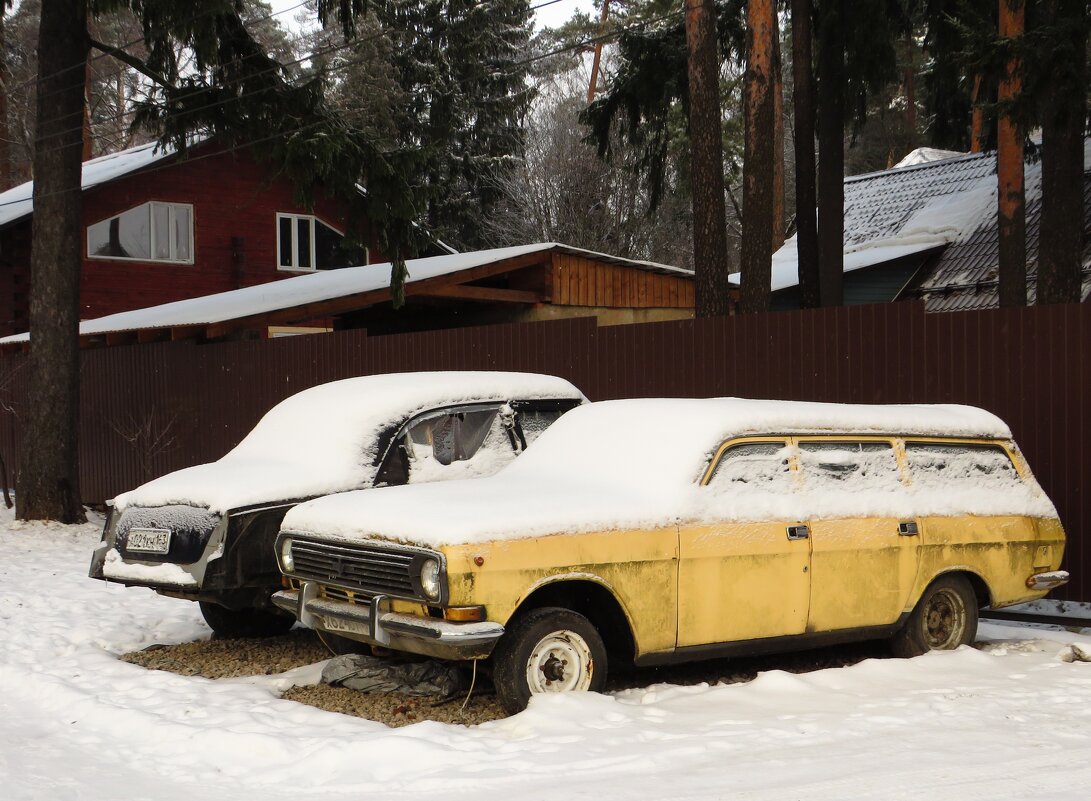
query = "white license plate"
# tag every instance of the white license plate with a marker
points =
(347, 626)
(149, 540)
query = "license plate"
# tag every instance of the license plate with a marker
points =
(347, 626)
(148, 540)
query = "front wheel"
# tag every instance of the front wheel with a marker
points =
(548, 650)
(245, 623)
(943, 619)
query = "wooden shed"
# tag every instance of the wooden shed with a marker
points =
(517, 284)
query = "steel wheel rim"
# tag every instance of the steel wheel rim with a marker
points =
(944, 620)
(560, 662)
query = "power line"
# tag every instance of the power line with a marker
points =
(40, 78)
(328, 50)
(510, 68)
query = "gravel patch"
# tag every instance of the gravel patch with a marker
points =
(227, 658)
(218, 658)
(395, 709)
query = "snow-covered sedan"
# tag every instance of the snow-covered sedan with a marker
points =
(660, 531)
(206, 533)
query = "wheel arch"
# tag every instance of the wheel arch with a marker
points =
(593, 598)
(977, 583)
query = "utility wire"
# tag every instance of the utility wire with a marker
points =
(510, 68)
(325, 51)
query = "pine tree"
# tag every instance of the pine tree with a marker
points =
(461, 67)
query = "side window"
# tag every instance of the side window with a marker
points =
(848, 466)
(459, 445)
(149, 232)
(760, 466)
(941, 466)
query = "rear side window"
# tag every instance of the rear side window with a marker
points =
(955, 466)
(848, 466)
(760, 466)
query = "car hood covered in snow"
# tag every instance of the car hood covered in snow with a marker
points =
(621, 465)
(327, 439)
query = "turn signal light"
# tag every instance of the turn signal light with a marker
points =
(464, 614)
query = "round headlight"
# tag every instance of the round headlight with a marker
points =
(429, 578)
(287, 563)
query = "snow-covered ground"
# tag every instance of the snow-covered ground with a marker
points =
(1010, 719)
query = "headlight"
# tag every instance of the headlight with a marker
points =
(287, 563)
(429, 578)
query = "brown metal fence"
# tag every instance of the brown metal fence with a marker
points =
(149, 409)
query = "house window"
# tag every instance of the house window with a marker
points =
(306, 243)
(149, 232)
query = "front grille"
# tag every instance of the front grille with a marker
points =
(366, 569)
(338, 594)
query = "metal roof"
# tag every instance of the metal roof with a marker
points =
(964, 277)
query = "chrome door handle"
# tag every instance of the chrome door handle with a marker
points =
(907, 529)
(798, 532)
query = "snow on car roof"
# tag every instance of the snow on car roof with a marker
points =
(612, 465)
(325, 439)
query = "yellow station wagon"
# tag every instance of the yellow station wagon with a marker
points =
(659, 531)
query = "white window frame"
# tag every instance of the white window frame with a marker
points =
(313, 220)
(171, 245)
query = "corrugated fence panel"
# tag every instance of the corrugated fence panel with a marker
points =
(150, 409)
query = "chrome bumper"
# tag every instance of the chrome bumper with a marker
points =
(373, 625)
(1047, 581)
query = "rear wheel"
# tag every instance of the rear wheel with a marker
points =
(245, 623)
(548, 650)
(943, 619)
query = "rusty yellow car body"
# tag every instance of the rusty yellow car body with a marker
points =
(716, 584)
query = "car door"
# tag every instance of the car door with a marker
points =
(864, 558)
(746, 575)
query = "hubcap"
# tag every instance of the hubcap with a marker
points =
(944, 620)
(560, 662)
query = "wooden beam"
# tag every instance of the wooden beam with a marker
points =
(486, 293)
(145, 335)
(347, 303)
(121, 337)
(180, 332)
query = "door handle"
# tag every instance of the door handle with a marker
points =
(798, 532)
(907, 529)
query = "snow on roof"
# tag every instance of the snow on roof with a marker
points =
(905, 211)
(18, 202)
(965, 276)
(925, 155)
(325, 439)
(319, 286)
(613, 465)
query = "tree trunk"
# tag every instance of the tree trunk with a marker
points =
(48, 481)
(1060, 240)
(593, 84)
(910, 92)
(977, 121)
(806, 203)
(1009, 172)
(706, 148)
(758, 158)
(5, 77)
(778, 140)
(831, 151)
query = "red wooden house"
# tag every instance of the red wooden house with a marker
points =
(161, 227)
